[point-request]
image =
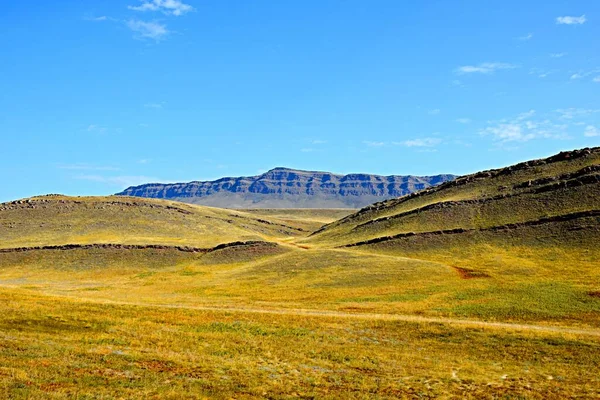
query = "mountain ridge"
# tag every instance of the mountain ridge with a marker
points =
(283, 187)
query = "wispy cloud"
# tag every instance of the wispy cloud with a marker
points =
(148, 30)
(557, 55)
(169, 7)
(575, 113)
(529, 36)
(373, 144)
(318, 141)
(420, 142)
(591, 131)
(584, 74)
(596, 79)
(463, 120)
(525, 115)
(523, 128)
(541, 73)
(569, 20)
(435, 111)
(484, 68)
(93, 128)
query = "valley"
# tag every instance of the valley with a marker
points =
(484, 286)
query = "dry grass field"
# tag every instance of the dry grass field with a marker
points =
(488, 287)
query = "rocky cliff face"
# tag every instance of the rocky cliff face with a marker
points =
(288, 188)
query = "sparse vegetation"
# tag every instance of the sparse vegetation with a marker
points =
(483, 288)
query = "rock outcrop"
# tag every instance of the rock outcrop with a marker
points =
(288, 188)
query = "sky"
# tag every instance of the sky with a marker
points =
(97, 95)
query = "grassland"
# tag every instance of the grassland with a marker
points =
(61, 348)
(484, 288)
(558, 185)
(310, 219)
(57, 220)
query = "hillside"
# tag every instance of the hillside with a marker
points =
(537, 194)
(288, 188)
(59, 220)
(483, 286)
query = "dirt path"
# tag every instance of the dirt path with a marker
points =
(373, 316)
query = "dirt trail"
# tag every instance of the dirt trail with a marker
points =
(372, 316)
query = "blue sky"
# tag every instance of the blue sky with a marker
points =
(99, 95)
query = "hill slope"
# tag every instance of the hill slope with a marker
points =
(60, 220)
(565, 186)
(288, 188)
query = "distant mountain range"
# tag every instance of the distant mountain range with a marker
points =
(289, 188)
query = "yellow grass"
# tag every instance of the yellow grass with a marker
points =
(479, 314)
(59, 348)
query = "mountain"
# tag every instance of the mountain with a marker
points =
(552, 202)
(289, 188)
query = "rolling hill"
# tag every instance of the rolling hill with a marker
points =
(289, 188)
(58, 220)
(562, 189)
(482, 286)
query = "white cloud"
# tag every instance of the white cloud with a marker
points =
(148, 30)
(508, 133)
(435, 111)
(525, 115)
(596, 79)
(591, 131)
(96, 128)
(169, 7)
(584, 74)
(100, 18)
(573, 113)
(529, 36)
(484, 68)
(373, 144)
(318, 141)
(524, 128)
(568, 20)
(558, 55)
(463, 120)
(120, 181)
(420, 142)
(541, 73)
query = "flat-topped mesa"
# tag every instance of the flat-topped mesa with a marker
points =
(290, 188)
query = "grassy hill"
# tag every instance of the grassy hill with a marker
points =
(484, 287)
(568, 183)
(58, 220)
(310, 219)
